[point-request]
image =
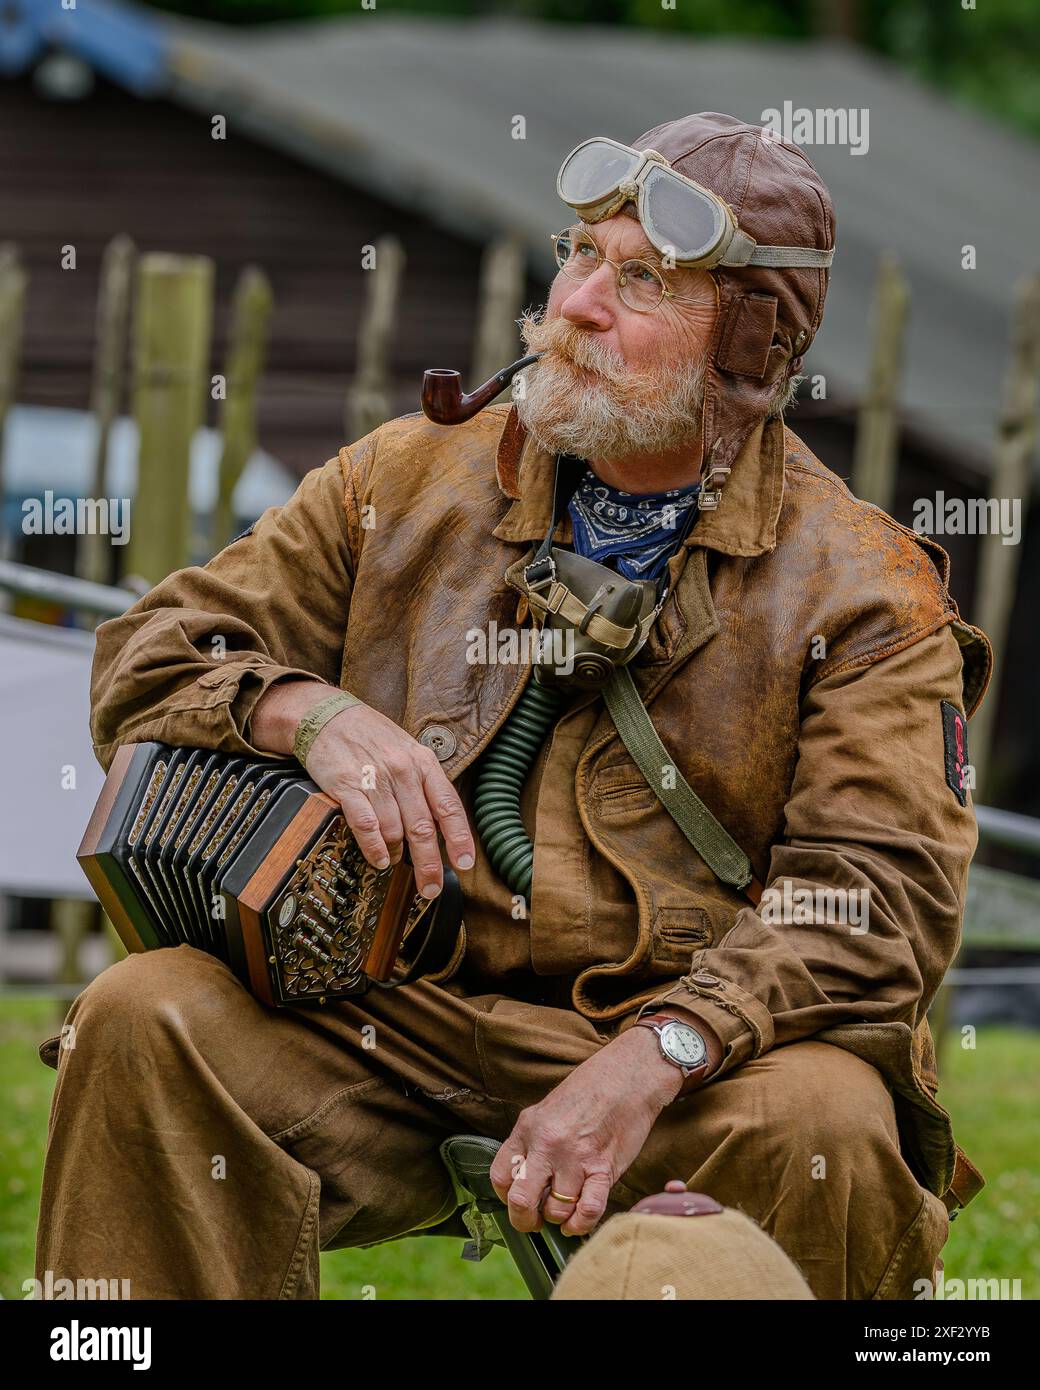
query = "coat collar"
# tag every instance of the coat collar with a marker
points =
(744, 523)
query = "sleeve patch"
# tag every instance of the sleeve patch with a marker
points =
(955, 750)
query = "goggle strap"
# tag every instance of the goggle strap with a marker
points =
(743, 250)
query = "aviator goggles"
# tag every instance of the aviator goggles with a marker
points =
(685, 222)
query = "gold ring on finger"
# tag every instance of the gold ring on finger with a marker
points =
(560, 1197)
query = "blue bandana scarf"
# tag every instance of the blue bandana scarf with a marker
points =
(638, 531)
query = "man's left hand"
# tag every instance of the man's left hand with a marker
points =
(584, 1135)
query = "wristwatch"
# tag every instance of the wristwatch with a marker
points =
(682, 1045)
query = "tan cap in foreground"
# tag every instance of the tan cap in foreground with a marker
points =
(699, 1250)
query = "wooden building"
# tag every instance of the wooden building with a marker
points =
(79, 175)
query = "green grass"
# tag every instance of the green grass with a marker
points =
(423, 1268)
(990, 1090)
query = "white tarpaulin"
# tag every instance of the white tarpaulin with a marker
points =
(47, 448)
(50, 778)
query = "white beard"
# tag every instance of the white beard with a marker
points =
(567, 410)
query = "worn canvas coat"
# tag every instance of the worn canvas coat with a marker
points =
(796, 675)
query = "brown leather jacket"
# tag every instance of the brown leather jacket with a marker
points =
(795, 674)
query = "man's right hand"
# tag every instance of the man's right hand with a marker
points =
(390, 786)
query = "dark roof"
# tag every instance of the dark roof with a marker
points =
(423, 110)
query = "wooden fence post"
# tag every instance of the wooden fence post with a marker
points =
(115, 941)
(106, 392)
(71, 920)
(877, 427)
(369, 402)
(500, 301)
(1012, 466)
(939, 1015)
(250, 310)
(13, 281)
(172, 321)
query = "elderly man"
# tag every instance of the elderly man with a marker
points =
(807, 675)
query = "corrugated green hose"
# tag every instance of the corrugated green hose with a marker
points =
(503, 770)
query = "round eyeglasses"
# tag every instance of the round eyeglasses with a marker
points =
(639, 284)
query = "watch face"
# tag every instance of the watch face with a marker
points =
(683, 1044)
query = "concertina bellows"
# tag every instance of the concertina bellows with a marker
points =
(251, 862)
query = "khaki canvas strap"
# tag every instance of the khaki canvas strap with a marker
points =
(558, 599)
(709, 838)
(744, 250)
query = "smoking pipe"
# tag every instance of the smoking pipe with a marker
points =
(442, 398)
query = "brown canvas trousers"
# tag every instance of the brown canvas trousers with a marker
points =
(202, 1145)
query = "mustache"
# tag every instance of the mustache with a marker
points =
(556, 338)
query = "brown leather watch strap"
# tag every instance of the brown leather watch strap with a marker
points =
(697, 1074)
(693, 1082)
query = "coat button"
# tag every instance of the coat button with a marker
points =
(704, 978)
(440, 739)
